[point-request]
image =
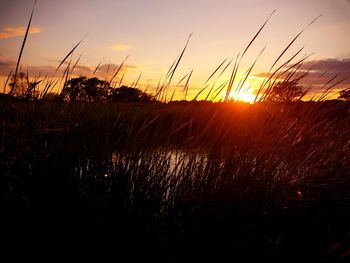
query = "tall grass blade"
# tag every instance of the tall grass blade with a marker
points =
(187, 82)
(121, 80)
(118, 69)
(179, 59)
(172, 95)
(232, 79)
(98, 66)
(22, 48)
(225, 68)
(211, 89)
(201, 91)
(70, 53)
(7, 80)
(219, 90)
(183, 79)
(137, 81)
(171, 67)
(249, 71)
(75, 65)
(294, 39)
(215, 71)
(257, 34)
(327, 92)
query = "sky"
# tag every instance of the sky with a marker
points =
(153, 33)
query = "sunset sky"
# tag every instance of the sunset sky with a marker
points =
(153, 33)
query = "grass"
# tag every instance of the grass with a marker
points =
(177, 183)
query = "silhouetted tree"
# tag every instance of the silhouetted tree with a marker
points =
(23, 88)
(95, 90)
(286, 91)
(344, 94)
(87, 90)
(18, 85)
(127, 94)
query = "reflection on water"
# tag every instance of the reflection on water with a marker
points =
(172, 162)
(171, 176)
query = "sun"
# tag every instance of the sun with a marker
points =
(245, 95)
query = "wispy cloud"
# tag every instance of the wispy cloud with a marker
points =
(104, 71)
(6, 63)
(331, 65)
(263, 75)
(328, 71)
(10, 32)
(121, 47)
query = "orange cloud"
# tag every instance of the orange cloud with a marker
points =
(10, 32)
(121, 47)
(263, 75)
(104, 71)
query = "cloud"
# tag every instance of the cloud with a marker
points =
(323, 68)
(331, 65)
(6, 63)
(10, 32)
(323, 71)
(113, 67)
(104, 71)
(121, 47)
(263, 75)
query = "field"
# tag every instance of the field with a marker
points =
(176, 182)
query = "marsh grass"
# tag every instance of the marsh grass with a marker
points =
(173, 179)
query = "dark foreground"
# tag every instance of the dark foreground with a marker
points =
(176, 183)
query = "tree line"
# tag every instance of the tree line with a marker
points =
(83, 89)
(80, 89)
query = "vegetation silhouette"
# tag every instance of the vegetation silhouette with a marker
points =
(345, 94)
(286, 91)
(179, 182)
(80, 89)
(84, 89)
(23, 88)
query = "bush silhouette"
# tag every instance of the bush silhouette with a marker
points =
(23, 88)
(95, 90)
(345, 94)
(127, 94)
(86, 90)
(286, 91)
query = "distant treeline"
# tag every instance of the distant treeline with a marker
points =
(81, 89)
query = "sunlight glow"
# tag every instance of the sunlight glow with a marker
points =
(245, 95)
